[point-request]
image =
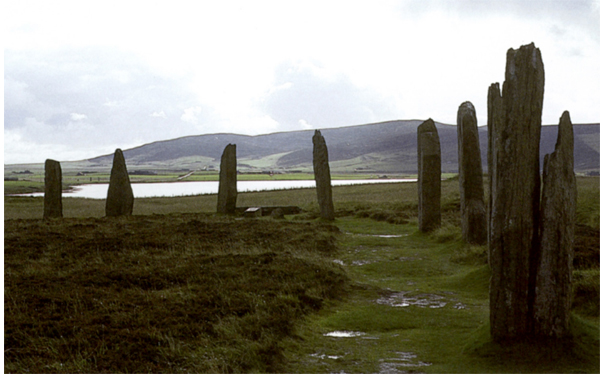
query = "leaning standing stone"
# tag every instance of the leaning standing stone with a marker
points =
(552, 307)
(119, 201)
(227, 198)
(515, 194)
(322, 176)
(472, 207)
(430, 176)
(52, 190)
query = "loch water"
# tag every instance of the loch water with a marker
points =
(140, 190)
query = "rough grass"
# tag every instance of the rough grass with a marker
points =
(161, 294)
(166, 291)
(577, 353)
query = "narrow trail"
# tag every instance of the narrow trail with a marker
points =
(185, 176)
(404, 307)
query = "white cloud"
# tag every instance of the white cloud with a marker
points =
(111, 103)
(18, 149)
(304, 125)
(160, 114)
(309, 92)
(78, 116)
(190, 115)
(263, 66)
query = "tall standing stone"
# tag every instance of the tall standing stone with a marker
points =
(430, 176)
(554, 292)
(322, 176)
(494, 106)
(119, 201)
(52, 189)
(514, 243)
(227, 199)
(470, 176)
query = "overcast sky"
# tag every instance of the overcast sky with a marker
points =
(82, 78)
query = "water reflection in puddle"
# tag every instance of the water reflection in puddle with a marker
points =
(324, 356)
(401, 299)
(344, 334)
(378, 235)
(366, 262)
(361, 262)
(404, 360)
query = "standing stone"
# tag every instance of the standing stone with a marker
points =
(430, 176)
(52, 190)
(554, 293)
(470, 176)
(494, 103)
(226, 201)
(119, 201)
(322, 176)
(514, 243)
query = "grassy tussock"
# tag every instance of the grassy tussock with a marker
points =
(182, 292)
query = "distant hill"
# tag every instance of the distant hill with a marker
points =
(386, 147)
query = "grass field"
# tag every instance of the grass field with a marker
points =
(176, 288)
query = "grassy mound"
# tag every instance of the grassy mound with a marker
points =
(161, 293)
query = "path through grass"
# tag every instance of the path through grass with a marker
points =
(418, 304)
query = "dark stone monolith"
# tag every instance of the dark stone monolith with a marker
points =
(52, 190)
(322, 176)
(515, 191)
(494, 109)
(227, 199)
(472, 207)
(553, 286)
(430, 176)
(119, 201)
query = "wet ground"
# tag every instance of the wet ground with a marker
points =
(374, 332)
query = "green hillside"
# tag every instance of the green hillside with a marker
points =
(386, 147)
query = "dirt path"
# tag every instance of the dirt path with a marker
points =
(185, 176)
(402, 311)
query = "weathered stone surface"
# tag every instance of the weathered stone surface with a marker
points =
(227, 197)
(253, 212)
(430, 176)
(553, 289)
(52, 190)
(494, 108)
(322, 176)
(119, 201)
(472, 207)
(515, 191)
(269, 209)
(277, 213)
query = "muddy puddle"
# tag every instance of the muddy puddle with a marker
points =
(324, 356)
(404, 299)
(366, 262)
(376, 235)
(344, 334)
(405, 361)
(402, 362)
(354, 263)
